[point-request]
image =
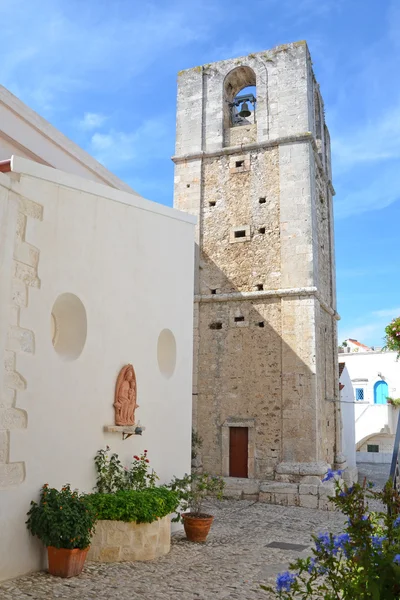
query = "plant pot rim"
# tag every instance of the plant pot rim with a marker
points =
(200, 516)
(70, 549)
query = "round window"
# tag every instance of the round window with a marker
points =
(166, 353)
(68, 326)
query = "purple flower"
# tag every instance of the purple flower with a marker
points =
(397, 559)
(311, 566)
(284, 582)
(331, 474)
(341, 540)
(323, 542)
(377, 541)
(397, 522)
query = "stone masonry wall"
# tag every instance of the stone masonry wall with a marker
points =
(22, 272)
(265, 321)
(239, 375)
(117, 541)
(232, 264)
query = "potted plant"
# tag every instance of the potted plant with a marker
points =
(64, 521)
(192, 491)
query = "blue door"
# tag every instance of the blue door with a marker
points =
(381, 392)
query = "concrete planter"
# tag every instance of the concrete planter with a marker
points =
(117, 541)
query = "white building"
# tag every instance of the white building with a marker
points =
(25, 133)
(348, 422)
(374, 377)
(91, 278)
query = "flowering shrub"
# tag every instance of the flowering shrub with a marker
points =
(63, 519)
(361, 563)
(112, 476)
(392, 337)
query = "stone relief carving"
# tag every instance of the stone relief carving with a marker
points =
(125, 396)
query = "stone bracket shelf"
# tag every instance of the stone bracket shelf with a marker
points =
(126, 430)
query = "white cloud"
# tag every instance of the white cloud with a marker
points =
(369, 328)
(116, 148)
(370, 142)
(391, 313)
(49, 53)
(369, 333)
(92, 120)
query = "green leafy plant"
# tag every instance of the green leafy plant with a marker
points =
(63, 519)
(141, 506)
(197, 442)
(393, 401)
(361, 563)
(392, 337)
(112, 476)
(193, 489)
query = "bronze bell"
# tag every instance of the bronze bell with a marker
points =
(245, 110)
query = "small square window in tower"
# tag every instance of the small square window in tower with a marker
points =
(238, 451)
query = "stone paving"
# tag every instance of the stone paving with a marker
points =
(231, 564)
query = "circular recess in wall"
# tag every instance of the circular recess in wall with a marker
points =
(166, 353)
(68, 326)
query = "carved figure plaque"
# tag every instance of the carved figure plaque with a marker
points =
(125, 396)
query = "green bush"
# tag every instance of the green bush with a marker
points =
(63, 519)
(141, 506)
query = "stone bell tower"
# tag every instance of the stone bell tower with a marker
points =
(253, 165)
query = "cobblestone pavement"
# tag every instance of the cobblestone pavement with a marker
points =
(232, 564)
(376, 472)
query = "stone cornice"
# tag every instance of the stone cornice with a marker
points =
(260, 295)
(307, 136)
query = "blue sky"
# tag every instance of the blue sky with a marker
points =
(104, 73)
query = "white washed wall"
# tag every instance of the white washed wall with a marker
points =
(371, 419)
(130, 262)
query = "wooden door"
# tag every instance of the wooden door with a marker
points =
(238, 451)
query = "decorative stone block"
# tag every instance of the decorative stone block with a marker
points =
(11, 474)
(30, 208)
(326, 489)
(116, 541)
(235, 486)
(14, 380)
(325, 504)
(266, 497)
(12, 418)
(312, 468)
(26, 274)
(20, 339)
(287, 499)
(311, 479)
(27, 254)
(308, 488)
(4, 446)
(19, 293)
(278, 487)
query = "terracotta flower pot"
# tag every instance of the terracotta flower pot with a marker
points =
(64, 562)
(197, 526)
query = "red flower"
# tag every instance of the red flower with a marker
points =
(147, 460)
(145, 451)
(136, 457)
